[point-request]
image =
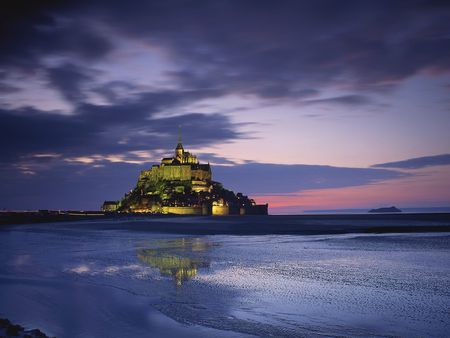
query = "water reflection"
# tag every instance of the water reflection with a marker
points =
(178, 258)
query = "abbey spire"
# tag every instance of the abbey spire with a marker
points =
(179, 150)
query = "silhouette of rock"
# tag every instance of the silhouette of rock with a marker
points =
(385, 210)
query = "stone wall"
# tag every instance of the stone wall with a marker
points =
(182, 210)
(201, 175)
(220, 210)
(257, 209)
(176, 172)
(109, 207)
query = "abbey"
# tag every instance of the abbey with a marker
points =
(182, 185)
(183, 167)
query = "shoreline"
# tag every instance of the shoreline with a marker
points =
(241, 225)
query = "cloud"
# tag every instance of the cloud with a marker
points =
(128, 125)
(68, 79)
(270, 50)
(215, 159)
(6, 88)
(417, 163)
(29, 32)
(63, 185)
(85, 185)
(260, 178)
(248, 47)
(28, 130)
(347, 100)
(114, 90)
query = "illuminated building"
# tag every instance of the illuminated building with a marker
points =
(182, 185)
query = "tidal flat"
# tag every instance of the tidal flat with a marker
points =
(115, 278)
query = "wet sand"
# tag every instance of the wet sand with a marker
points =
(279, 276)
(257, 225)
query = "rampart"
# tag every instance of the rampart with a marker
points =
(195, 210)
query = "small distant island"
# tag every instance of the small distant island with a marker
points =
(182, 185)
(385, 210)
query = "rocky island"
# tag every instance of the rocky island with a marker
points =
(182, 185)
(385, 210)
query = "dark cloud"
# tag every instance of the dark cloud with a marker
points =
(417, 163)
(67, 186)
(7, 88)
(31, 31)
(257, 47)
(139, 107)
(347, 100)
(76, 186)
(112, 91)
(127, 125)
(276, 50)
(68, 79)
(215, 158)
(28, 130)
(258, 178)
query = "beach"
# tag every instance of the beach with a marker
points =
(276, 276)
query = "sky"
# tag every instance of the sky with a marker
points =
(305, 105)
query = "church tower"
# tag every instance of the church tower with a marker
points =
(179, 149)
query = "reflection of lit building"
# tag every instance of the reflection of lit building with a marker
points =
(169, 265)
(176, 258)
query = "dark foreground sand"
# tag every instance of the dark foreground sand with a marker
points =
(8, 329)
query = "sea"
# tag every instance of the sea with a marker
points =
(112, 278)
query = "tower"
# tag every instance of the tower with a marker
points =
(179, 149)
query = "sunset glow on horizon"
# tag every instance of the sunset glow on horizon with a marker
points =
(409, 192)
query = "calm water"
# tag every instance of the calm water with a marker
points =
(73, 282)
